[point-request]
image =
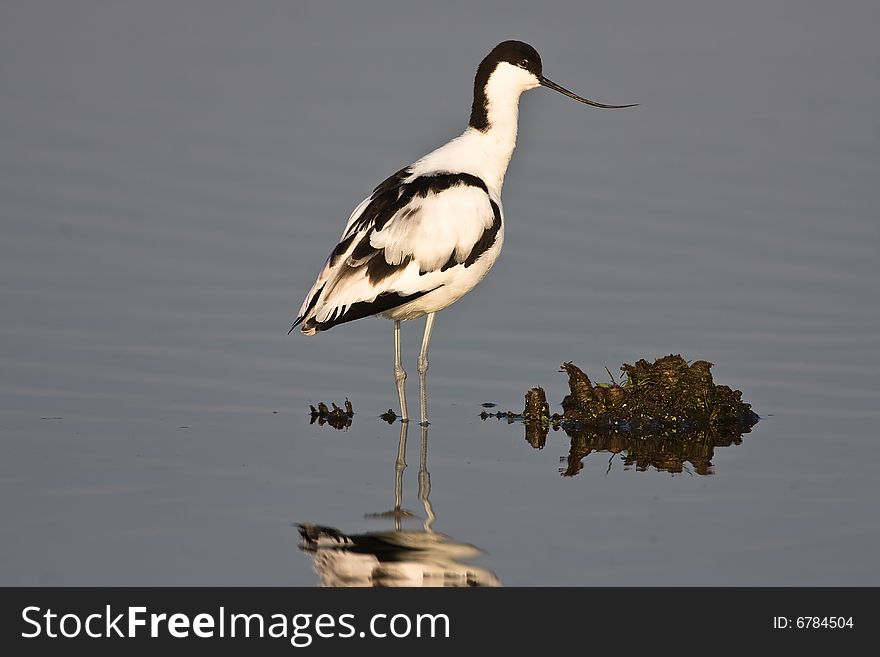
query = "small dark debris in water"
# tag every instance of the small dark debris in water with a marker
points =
(338, 418)
(664, 415)
(389, 416)
(489, 405)
(536, 405)
(536, 417)
(510, 416)
(53, 417)
(274, 412)
(396, 513)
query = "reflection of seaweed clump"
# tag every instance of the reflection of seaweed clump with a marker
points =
(666, 453)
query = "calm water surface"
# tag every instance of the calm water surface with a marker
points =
(173, 176)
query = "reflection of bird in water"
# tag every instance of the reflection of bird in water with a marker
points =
(398, 557)
(394, 558)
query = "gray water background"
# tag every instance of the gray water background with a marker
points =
(173, 174)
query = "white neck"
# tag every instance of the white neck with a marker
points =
(499, 140)
(486, 153)
(491, 150)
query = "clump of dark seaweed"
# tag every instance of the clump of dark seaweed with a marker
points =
(338, 418)
(665, 415)
(668, 393)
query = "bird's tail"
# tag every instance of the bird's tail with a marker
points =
(308, 328)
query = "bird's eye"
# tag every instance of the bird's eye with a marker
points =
(523, 63)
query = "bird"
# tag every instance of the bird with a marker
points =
(429, 233)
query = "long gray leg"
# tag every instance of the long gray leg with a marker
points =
(423, 369)
(399, 374)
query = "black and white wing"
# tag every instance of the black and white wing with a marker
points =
(412, 236)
